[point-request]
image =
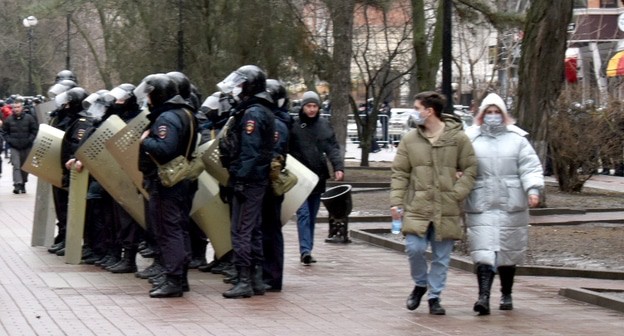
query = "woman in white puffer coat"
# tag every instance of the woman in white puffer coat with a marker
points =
(509, 181)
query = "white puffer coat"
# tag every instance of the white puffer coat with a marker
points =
(497, 214)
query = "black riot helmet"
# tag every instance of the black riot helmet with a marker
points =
(183, 83)
(278, 92)
(246, 81)
(65, 74)
(71, 100)
(158, 87)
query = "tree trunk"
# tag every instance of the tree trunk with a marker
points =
(541, 64)
(541, 69)
(342, 20)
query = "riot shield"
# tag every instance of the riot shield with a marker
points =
(212, 163)
(306, 182)
(44, 159)
(43, 111)
(212, 215)
(76, 211)
(124, 147)
(108, 172)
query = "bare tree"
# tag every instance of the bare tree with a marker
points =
(382, 57)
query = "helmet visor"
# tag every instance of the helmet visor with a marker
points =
(90, 100)
(61, 99)
(119, 94)
(211, 103)
(96, 110)
(57, 89)
(231, 81)
(142, 92)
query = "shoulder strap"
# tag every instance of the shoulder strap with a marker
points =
(188, 147)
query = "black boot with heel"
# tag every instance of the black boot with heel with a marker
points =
(485, 277)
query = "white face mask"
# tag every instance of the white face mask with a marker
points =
(493, 119)
(417, 118)
(237, 91)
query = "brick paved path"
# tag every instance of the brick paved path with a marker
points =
(354, 289)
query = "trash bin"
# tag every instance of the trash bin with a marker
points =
(337, 201)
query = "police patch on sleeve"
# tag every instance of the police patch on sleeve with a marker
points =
(162, 131)
(250, 127)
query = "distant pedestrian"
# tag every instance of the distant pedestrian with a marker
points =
(20, 131)
(509, 181)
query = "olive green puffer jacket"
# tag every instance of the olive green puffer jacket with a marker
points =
(425, 182)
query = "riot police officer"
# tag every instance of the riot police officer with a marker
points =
(69, 106)
(128, 233)
(272, 237)
(199, 241)
(246, 152)
(167, 137)
(61, 118)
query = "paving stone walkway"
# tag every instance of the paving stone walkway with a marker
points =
(354, 289)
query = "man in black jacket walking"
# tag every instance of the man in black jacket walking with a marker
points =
(313, 142)
(20, 131)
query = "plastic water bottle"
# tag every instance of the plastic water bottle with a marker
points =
(397, 223)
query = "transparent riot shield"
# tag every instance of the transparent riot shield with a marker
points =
(108, 172)
(43, 111)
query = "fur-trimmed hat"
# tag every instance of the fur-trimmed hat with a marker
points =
(310, 97)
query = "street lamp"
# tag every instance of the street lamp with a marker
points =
(29, 23)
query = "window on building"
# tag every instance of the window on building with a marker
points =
(608, 3)
(580, 3)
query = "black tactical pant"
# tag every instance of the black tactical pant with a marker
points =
(246, 225)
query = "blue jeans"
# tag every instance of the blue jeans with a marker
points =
(306, 219)
(415, 248)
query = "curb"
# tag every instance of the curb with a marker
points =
(593, 296)
(369, 235)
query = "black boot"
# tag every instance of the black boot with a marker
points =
(243, 287)
(57, 247)
(171, 287)
(154, 269)
(435, 308)
(413, 300)
(127, 263)
(230, 275)
(485, 277)
(506, 274)
(257, 283)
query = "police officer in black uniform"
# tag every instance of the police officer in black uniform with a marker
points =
(167, 136)
(199, 240)
(272, 237)
(246, 152)
(61, 118)
(128, 233)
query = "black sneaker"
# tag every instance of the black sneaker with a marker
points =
(306, 259)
